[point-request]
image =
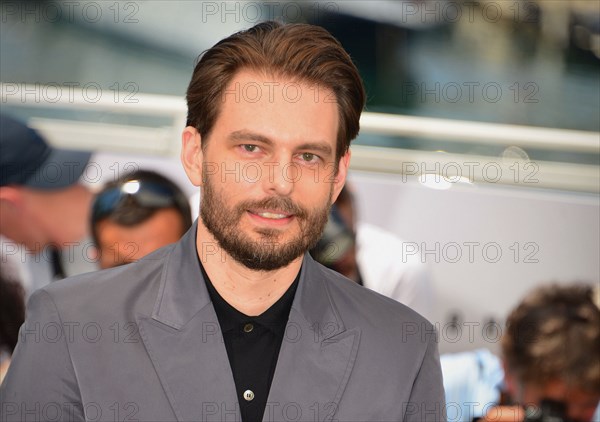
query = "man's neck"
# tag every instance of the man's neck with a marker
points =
(249, 291)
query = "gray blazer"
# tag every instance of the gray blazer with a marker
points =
(142, 342)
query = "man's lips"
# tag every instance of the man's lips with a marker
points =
(271, 217)
(271, 214)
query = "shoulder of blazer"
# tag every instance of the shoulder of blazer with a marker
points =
(355, 302)
(131, 286)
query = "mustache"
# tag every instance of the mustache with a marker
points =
(275, 202)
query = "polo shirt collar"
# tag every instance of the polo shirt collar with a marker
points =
(273, 319)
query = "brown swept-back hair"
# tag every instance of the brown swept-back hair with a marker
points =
(554, 334)
(304, 52)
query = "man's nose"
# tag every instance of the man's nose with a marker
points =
(281, 176)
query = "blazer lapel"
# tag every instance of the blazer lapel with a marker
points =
(184, 341)
(317, 354)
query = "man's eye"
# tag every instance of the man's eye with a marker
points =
(250, 148)
(308, 157)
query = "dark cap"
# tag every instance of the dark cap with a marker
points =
(26, 159)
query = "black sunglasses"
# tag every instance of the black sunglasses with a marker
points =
(145, 194)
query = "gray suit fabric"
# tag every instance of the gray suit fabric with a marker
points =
(142, 342)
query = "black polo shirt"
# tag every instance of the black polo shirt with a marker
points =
(252, 345)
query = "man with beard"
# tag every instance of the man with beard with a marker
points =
(236, 321)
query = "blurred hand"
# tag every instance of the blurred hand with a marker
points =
(505, 414)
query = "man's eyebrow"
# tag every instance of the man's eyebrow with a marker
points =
(322, 147)
(244, 135)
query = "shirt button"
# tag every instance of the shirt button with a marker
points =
(247, 328)
(248, 395)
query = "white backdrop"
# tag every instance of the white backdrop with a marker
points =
(486, 245)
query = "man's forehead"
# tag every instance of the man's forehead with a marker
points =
(271, 106)
(255, 86)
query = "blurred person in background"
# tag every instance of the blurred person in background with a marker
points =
(373, 257)
(137, 214)
(551, 357)
(43, 208)
(12, 315)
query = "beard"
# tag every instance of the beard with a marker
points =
(267, 252)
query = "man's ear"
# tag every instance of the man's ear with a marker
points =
(11, 196)
(191, 154)
(340, 177)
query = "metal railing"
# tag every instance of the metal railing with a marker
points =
(165, 140)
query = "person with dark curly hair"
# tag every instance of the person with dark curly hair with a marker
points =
(551, 353)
